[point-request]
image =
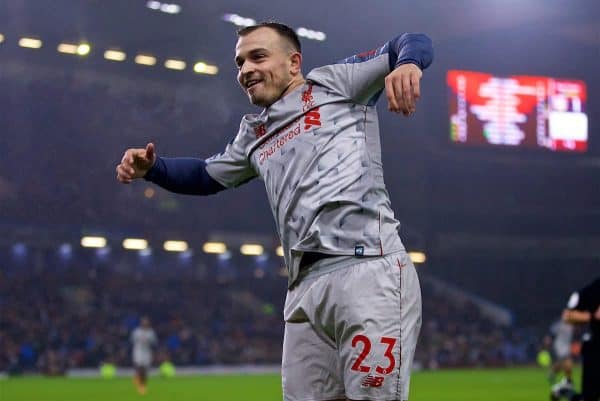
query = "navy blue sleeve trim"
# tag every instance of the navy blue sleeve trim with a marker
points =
(183, 175)
(413, 48)
(407, 48)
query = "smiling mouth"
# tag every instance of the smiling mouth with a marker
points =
(252, 83)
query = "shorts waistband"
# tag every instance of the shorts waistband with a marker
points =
(329, 264)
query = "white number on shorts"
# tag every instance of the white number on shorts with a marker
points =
(359, 367)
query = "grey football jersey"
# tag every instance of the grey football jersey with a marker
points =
(143, 339)
(318, 151)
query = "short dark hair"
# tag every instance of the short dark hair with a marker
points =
(283, 30)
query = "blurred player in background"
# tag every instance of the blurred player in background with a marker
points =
(143, 338)
(353, 307)
(583, 307)
(562, 339)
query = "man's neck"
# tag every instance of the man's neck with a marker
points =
(296, 82)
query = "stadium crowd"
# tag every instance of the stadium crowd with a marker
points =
(57, 317)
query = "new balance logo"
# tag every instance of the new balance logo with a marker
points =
(372, 381)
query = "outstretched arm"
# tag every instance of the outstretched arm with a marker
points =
(180, 175)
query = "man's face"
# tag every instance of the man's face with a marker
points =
(264, 64)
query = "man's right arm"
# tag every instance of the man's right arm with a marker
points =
(186, 175)
(183, 175)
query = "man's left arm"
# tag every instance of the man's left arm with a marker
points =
(397, 66)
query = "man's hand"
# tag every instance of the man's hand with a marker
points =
(136, 163)
(402, 88)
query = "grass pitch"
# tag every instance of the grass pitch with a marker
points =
(446, 385)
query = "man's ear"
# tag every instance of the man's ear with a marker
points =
(295, 63)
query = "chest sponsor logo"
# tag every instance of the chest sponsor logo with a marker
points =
(278, 141)
(311, 119)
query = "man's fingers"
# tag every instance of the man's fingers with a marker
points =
(127, 162)
(403, 88)
(150, 151)
(138, 154)
(122, 176)
(407, 94)
(124, 172)
(135, 163)
(391, 96)
(123, 180)
(400, 100)
(415, 82)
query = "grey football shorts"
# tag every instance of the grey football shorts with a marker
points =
(352, 332)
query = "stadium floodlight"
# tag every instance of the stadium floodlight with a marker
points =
(83, 49)
(238, 20)
(1, 38)
(279, 251)
(214, 247)
(67, 48)
(251, 249)
(170, 8)
(114, 55)
(135, 244)
(93, 242)
(164, 7)
(144, 59)
(417, 257)
(30, 43)
(153, 5)
(311, 34)
(203, 68)
(173, 64)
(175, 246)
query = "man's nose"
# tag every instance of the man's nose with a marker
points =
(247, 69)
